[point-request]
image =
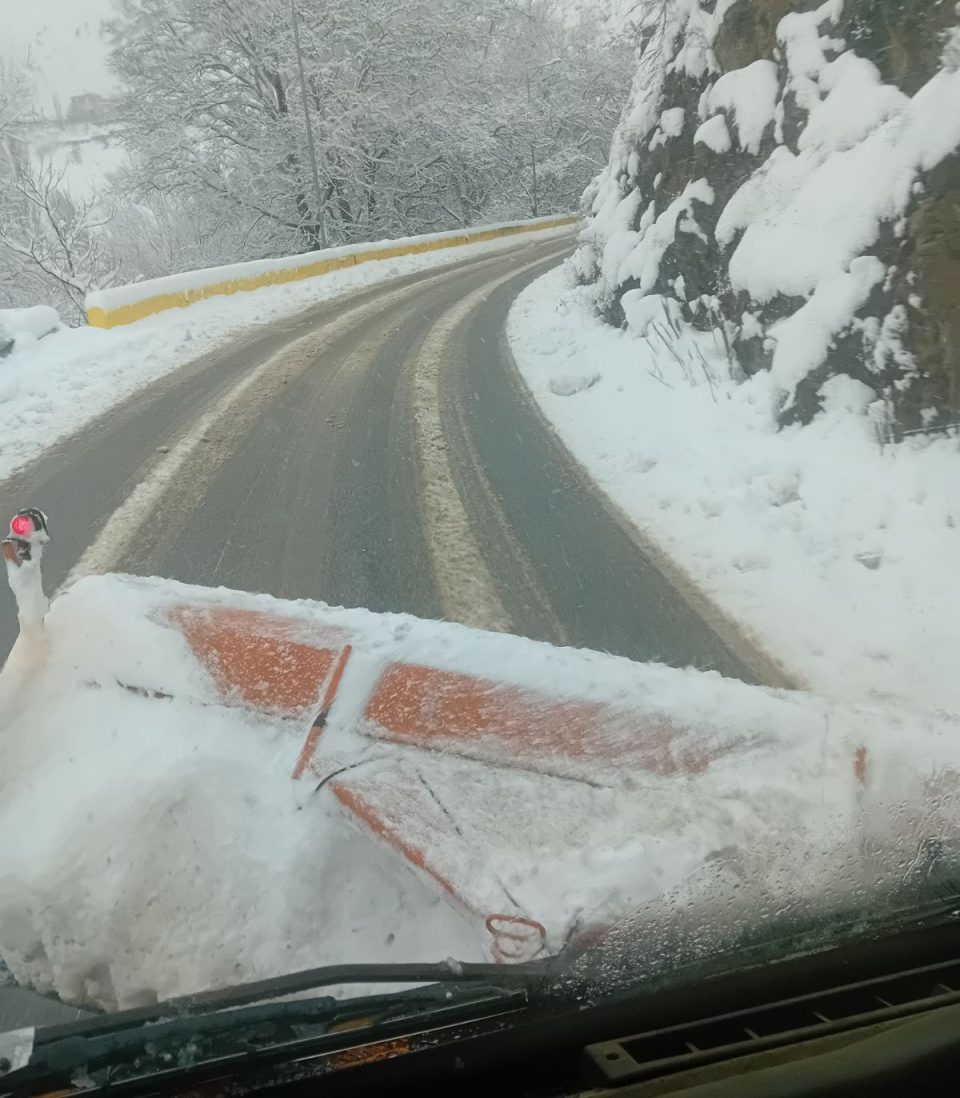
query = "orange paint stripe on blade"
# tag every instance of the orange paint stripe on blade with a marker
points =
(384, 829)
(320, 722)
(258, 659)
(431, 708)
(399, 810)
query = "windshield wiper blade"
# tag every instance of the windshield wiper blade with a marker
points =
(449, 972)
(173, 1043)
(524, 976)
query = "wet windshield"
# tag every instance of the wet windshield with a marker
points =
(478, 478)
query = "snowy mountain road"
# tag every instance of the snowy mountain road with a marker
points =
(378, 450)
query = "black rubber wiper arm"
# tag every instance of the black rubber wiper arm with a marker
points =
(524, 976)
(159, 1045)
(450, 972)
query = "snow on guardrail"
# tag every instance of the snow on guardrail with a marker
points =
(119, 305)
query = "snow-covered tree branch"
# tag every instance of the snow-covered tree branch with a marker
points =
(53, 246)
(427, 113)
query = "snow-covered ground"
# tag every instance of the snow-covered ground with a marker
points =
(836, 551)
(21, 328)
(53, 387)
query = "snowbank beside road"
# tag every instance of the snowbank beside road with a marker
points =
(837, 552)
(21, 328)
(55, 387)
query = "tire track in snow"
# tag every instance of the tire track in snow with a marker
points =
(467, 589)
(217, 432)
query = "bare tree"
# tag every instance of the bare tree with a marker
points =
(53, 245)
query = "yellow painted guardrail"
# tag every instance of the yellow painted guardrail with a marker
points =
(125, 304)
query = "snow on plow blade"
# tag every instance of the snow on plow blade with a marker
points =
(545, 793)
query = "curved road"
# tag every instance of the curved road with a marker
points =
(378, 450)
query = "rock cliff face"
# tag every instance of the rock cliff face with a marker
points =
(790, 171)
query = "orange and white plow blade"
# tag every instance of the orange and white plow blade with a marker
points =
(261, 661)
(264, 662)
(436, 754)
(495, 767)
(483, 719)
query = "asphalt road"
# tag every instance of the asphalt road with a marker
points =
(380, 451)
(385, 456)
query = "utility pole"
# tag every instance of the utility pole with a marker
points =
(306, 115)
(533, 158)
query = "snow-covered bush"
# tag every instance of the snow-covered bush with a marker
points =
(21, 327)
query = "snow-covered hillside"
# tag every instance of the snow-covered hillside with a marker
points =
(795, 180)
(764, 309)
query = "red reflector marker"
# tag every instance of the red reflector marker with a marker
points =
(21, 525)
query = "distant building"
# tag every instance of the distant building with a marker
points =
(86, 144)
(91, 108)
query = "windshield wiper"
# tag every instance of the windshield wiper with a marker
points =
(527, 976)
(219, 1027)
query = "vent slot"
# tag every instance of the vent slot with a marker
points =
(708, 1040)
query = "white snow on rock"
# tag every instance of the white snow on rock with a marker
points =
(610, 238)
(642, 310)
(714, 134)
(671, 125)
(832, 546)
(655, 235)
(805, 223)
(860, 153)
(803, 339)
(837, 552)
(750, 97)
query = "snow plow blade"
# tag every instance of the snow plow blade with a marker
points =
(544, 793)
